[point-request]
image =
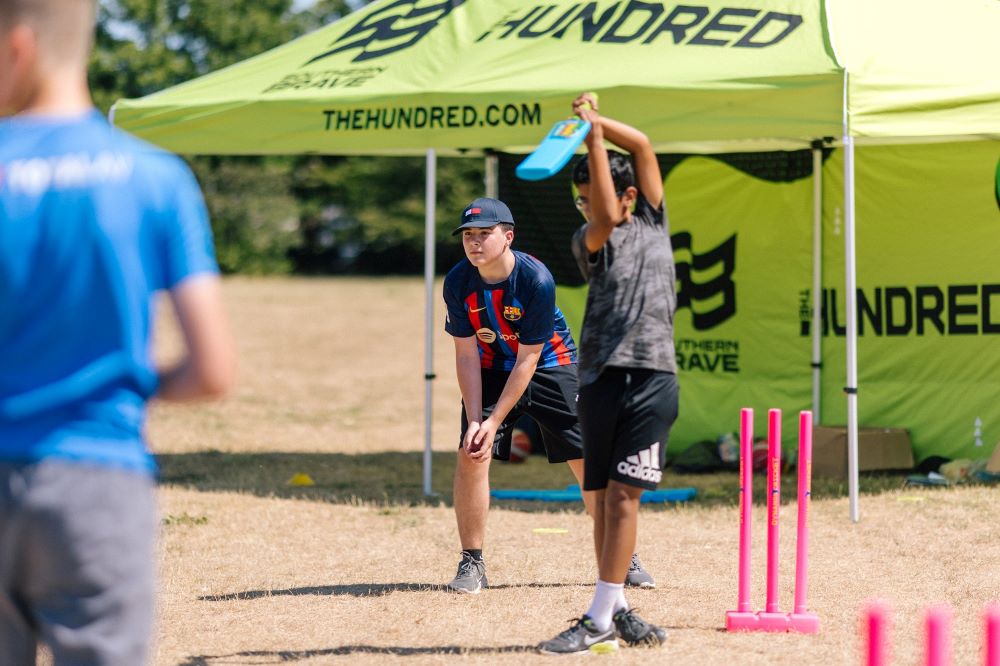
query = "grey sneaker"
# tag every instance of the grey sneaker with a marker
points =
(635, 631)
(581, 637)
(471, 576)
(637, 576)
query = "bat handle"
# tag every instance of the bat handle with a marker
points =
(586, 105)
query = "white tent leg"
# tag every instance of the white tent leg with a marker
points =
(851, 298)
(429, 215)
(492, 176)
(817, 283)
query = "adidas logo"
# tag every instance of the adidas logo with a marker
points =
(644, 466)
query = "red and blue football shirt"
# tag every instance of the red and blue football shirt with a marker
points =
(521, 309)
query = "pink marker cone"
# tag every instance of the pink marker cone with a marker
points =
(939, 636)
(876, 629)
(991, 650)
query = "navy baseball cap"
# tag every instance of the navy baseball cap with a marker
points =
(484, 213)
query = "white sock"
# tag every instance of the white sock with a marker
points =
(621, 604)
(606, 598)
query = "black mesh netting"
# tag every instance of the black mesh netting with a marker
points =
(546, 217)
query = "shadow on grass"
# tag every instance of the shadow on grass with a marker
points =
(345, 650)
(391, 479)
(387, 479)
(362, 590)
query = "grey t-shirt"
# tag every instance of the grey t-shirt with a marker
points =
(629, 321)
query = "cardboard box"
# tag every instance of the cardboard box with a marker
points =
(993, 466)
(878, 449)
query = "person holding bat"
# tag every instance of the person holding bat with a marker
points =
(627, 371)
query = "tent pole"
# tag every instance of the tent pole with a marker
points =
(851, 297)
(430, 212)
(817, 283)
(492, 176)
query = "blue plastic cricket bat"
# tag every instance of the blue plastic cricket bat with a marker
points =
(554, 151)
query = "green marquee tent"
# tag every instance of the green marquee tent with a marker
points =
(405, 77)
(400, 76)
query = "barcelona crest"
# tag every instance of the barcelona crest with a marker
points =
(511, 312)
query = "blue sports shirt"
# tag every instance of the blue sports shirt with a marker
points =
(521, 309)
(92, 223)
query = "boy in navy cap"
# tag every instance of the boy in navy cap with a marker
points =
(513, 354)
(92, 222)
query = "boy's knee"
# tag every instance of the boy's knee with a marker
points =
(621, 500)
(471, 468)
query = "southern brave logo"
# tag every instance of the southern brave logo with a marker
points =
(719, 262)
(397, 26)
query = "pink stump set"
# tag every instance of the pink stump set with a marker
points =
(937, 647)
(744, 618)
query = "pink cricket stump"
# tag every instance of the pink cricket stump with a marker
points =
(771, 618)
(743, 618)
(801, 619)
(876, 625)
(939, 636)
(991, 649)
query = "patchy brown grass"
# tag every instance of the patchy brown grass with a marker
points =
(254, 571)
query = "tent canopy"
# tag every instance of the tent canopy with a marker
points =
(399, 76)
(920, 70)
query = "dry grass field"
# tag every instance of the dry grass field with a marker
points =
(254, 571)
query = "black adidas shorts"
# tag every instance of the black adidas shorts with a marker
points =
(550, 400)
(626, 417)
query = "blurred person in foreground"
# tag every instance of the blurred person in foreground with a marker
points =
(92, 224)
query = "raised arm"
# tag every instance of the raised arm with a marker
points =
(649, 181)
(647, 168)
(605, 206)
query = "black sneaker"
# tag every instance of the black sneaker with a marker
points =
(471, 576)
(581, 637)
(635, 631)
(637, 576)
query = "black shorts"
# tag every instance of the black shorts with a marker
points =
(550, 400)
(626, 417)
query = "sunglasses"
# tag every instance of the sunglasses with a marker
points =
(583, 202)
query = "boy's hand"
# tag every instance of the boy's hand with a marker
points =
(586, 99)
(482, 440)
(585, 106)
(475, 444)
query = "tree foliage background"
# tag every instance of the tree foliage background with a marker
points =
(278, 214)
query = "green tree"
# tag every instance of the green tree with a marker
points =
(143, 46)
(146, 45)
(326, 214)
(384, 196)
